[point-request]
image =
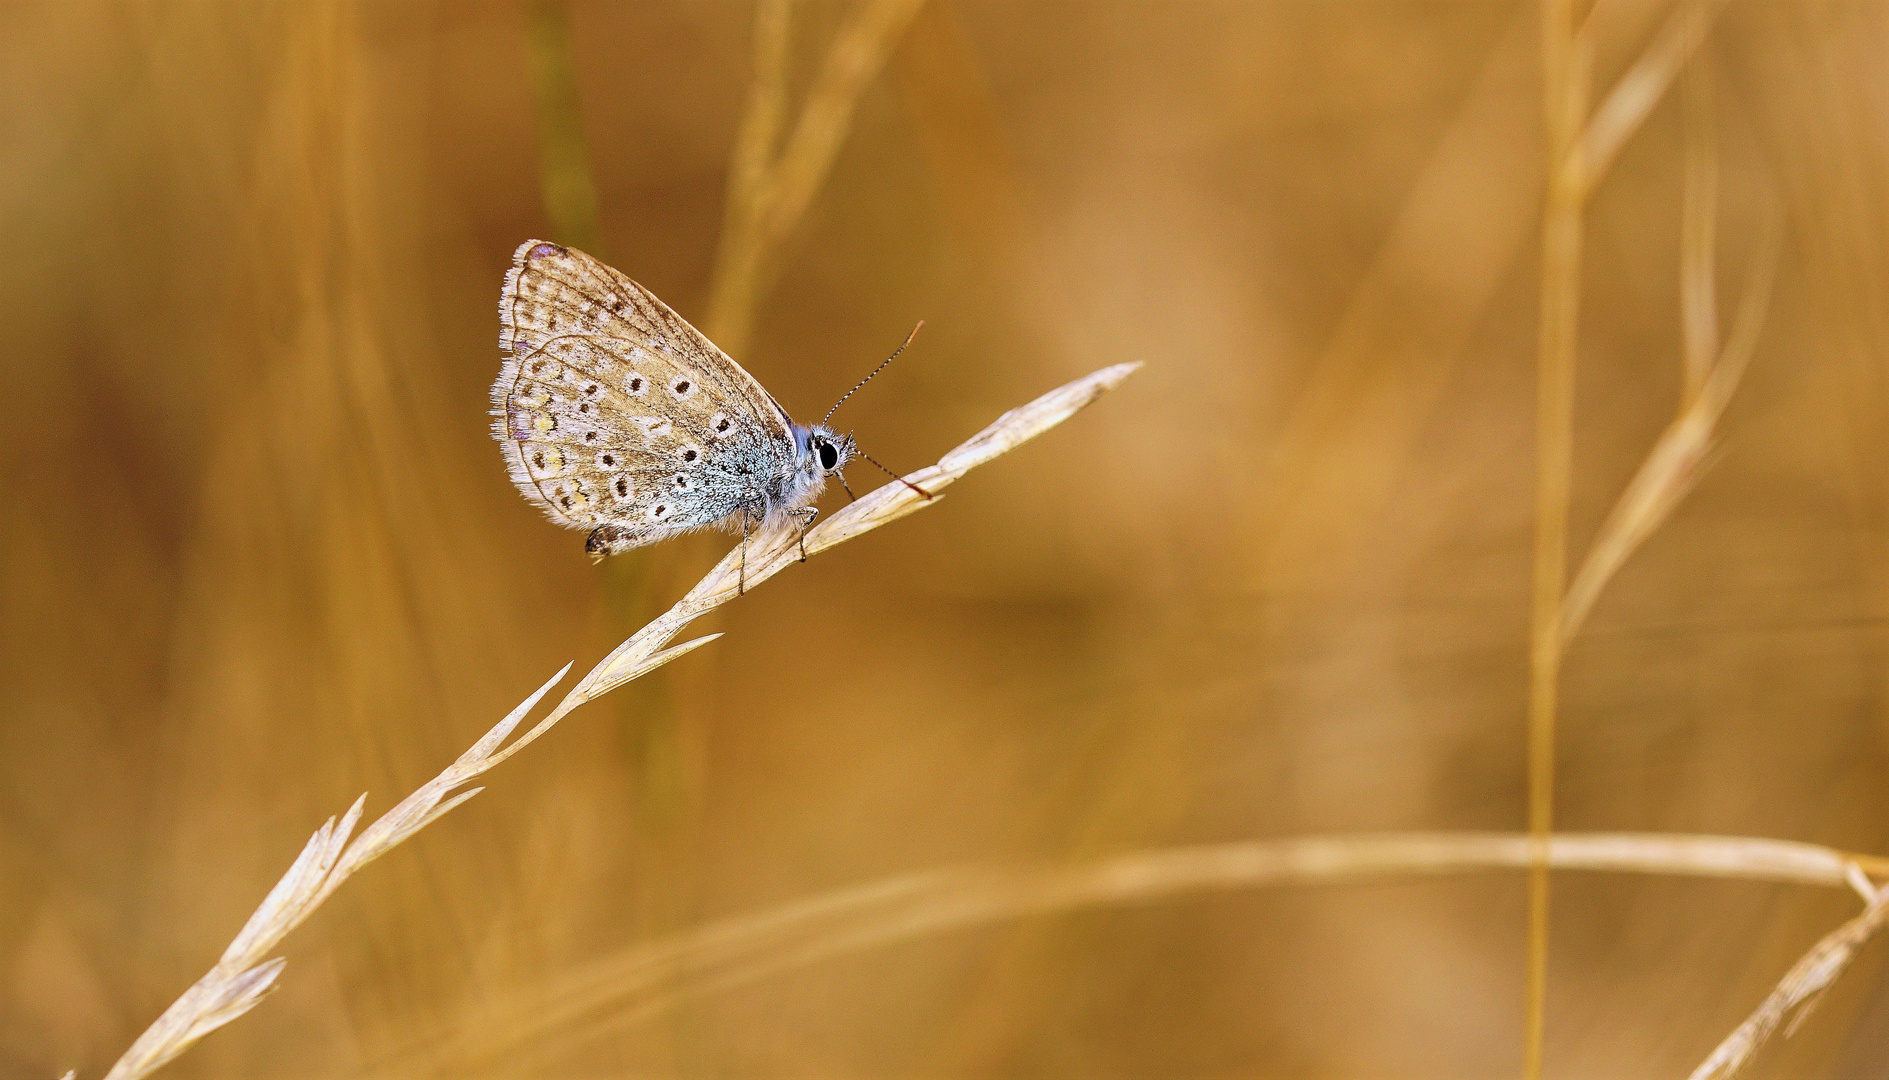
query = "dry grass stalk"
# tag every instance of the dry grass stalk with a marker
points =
(744, 205)
(244, 974)
(1580, 150)
(767, 198)
(1679, 458)
(1800, 989)
(638, 983)
(1566, 62)
(1641, 88)
(1698, 232)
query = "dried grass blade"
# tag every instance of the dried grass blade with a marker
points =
(616, 676)
(890, 502)
(1641, 88)
(236, 996)
(1566, 70)
(737, 259)
(1026, 422)
(1662, 481)
(1677, 460)
(859, 51)
(222, 995)
(444, 808)
(1698, 235)
(768, 200)
(490, 741)
(282, 909)
(1797, 993)
(304, 874)
(617, 991)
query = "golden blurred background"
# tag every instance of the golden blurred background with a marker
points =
(260, 552)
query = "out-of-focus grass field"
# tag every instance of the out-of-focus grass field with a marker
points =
(258, 552)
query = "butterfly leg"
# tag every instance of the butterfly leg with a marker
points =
(747, 526)
(806, 516)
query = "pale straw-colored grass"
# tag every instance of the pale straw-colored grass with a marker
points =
(1680, 455)
(1636, 93)
(746, 203)
(636, 984)
(245, 973)
(1678, 458)
(1581, 148)
(1698, 232)
(770, 192)
(1801, 988)
(1672, 467)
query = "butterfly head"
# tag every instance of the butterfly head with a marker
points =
(829, 449)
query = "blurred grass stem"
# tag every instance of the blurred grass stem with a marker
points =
(1566, 62)
(1800, 989)
(1580, 150)
(744, 206)
(1634, 95)
(768, 195)
(1683, 451)
(1698, 229)
(638, 983)
(569, 189)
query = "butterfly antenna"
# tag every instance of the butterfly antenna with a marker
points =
(892, 474)
(875, 371)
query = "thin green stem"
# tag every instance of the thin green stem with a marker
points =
(570, 192)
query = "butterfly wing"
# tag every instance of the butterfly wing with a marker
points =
(612, 410)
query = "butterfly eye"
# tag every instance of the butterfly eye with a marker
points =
(829, 456)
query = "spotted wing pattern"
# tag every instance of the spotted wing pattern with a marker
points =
(612, 410)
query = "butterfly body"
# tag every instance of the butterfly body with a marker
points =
(617, 416)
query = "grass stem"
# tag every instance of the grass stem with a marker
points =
(245, 974)
(618, 991)
(769, 195)
(1565, 76)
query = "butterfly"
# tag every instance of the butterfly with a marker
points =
(617, 416)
